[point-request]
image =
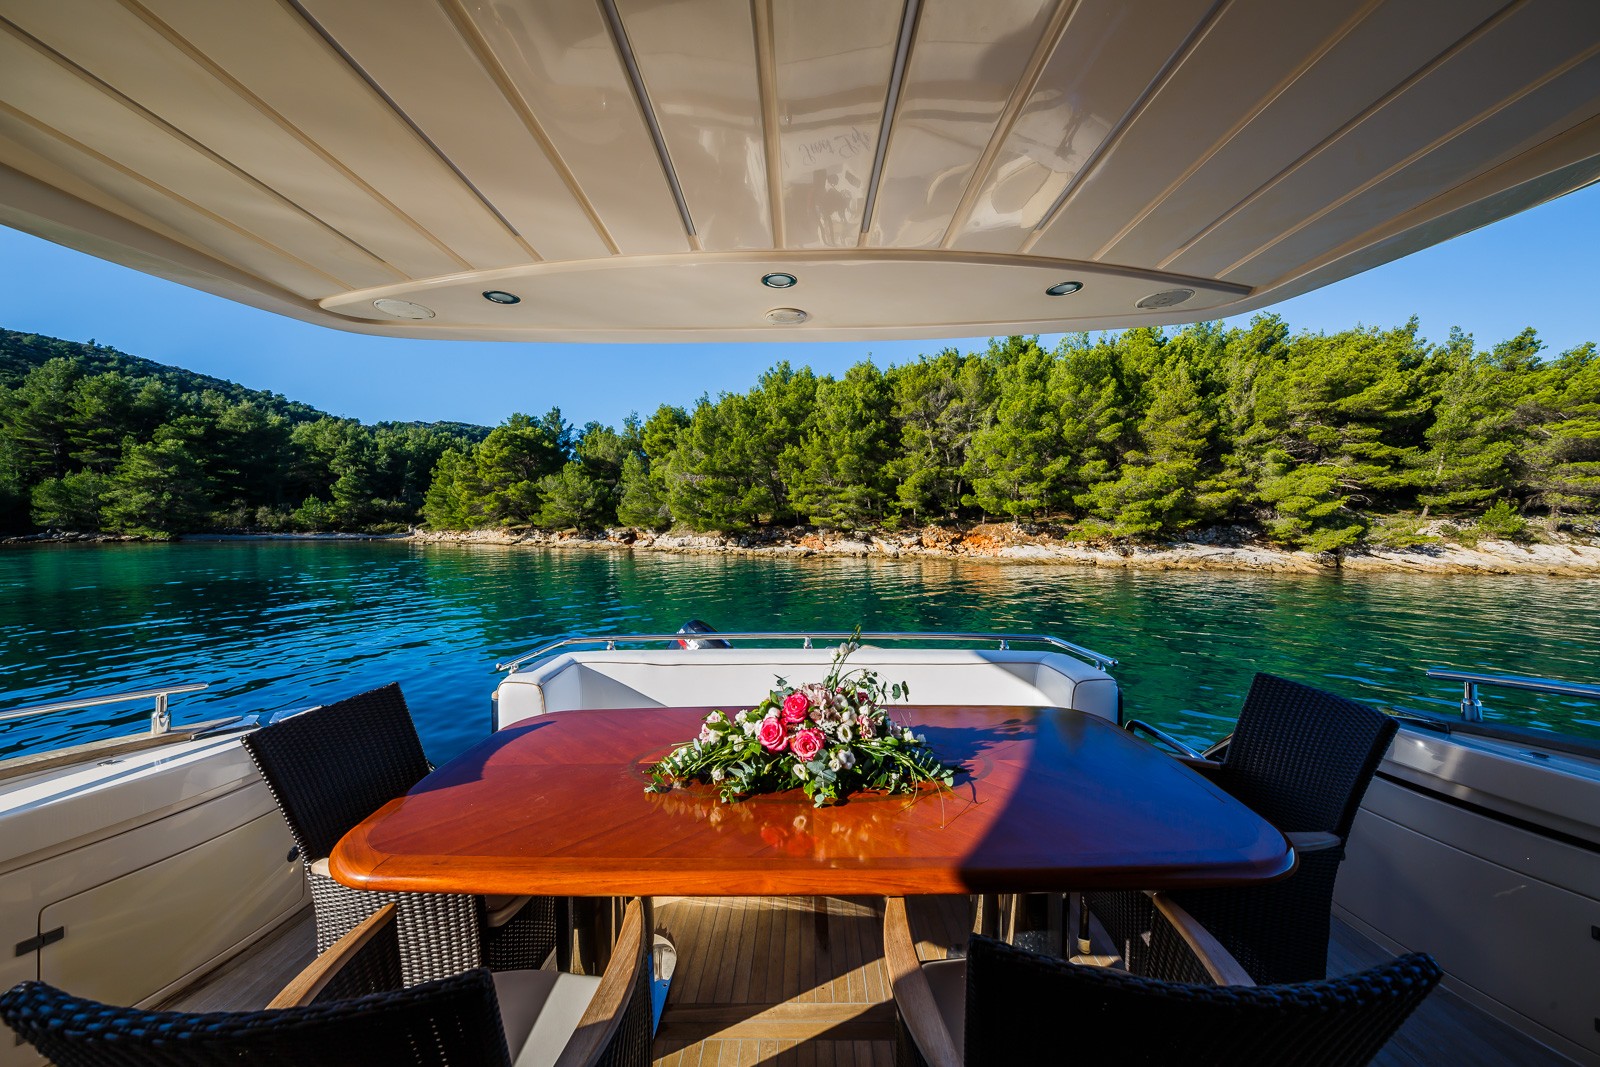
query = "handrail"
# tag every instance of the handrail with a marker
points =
(610, 641)
(160, 718)
(1472, 707)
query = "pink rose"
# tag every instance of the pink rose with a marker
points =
(771, 735)
(796, 706)
(806, 744)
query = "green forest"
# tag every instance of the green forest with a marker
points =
(1311, 440)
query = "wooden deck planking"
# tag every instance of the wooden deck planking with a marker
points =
(251, 979)
(776, 981)
(1445, 1029)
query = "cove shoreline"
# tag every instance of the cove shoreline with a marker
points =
(1002, 543)
(1217, 550)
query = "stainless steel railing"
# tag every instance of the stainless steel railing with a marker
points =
(1003, 641)
(1472, 707)
(160, 717)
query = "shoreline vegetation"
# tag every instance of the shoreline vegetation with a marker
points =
(1239, 448)
(1219, 550)
(1213, 550)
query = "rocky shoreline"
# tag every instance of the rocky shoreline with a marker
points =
(1219, 550)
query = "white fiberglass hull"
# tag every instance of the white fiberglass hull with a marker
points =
(124, 877)
(1485, 853)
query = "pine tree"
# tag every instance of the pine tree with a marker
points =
(448, 503)
(70, 502)
(1565, 464)
(1475, 439)
(1017, 463)
(842, 480)
(509, 465)
(1158, 489)
(940, 404)
(159, 489)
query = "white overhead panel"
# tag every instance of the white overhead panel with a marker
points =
(633, 169)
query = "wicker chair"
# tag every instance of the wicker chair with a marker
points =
(1302, 759)
(331, 767)
(348, 1008)
(1002, 1004)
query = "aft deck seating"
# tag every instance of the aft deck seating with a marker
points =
(1301, 758)
(348, 1007)
(1001, 1004)
(331, 767)
(739, 677)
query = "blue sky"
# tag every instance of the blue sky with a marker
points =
(1538, 269)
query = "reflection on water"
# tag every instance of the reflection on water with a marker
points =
(278, 625)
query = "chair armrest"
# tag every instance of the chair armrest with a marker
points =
(1207, 767)
(619, 983)
(306, 985)
(1208, 952)
(1134, 726)
(1313, 841)
(913, 997)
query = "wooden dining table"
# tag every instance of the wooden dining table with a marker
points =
(1048, 799)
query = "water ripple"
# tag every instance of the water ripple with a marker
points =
(279, 625)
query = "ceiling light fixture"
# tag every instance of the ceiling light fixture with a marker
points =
(402, 309)
(779, 280)
(1164, 299)
(786, 316)
(499, 296)
(1063, 289)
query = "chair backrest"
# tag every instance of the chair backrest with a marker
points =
(1301, 757)
(450, 1021)
(331, 767)
(1026, 1008)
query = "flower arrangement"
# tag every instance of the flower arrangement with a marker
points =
(828, 738)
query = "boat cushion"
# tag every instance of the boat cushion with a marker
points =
(540, 1011)
(947, 979)
(502, 909)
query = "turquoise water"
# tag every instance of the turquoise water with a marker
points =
(276, 625)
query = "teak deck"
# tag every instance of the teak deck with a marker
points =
(801, 980)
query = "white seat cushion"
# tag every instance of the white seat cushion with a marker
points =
(501, 909)
(540, 1011)
(947, 979)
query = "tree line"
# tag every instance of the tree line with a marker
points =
(1320, 440)
(93, 440)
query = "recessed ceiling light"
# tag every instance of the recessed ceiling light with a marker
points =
(1063, 288)
(1165, 299)
(779, 280)
(498, 296)
(403, 309)
(786, 316)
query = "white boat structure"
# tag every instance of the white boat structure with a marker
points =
(703, 170)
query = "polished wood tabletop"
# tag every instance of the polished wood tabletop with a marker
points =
(1051, 799)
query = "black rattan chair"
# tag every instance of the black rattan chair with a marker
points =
(349, 1008)
(331, 767)
(1005, 1005)
(1302, 759)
